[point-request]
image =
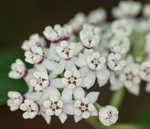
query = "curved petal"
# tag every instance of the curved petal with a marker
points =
(77, 118)
(94, 113)
(134, 90)
(59, 68)
(67, 95)
(50, 93)
(89, 80)
(57, 83)
(33, 95)
(78, 93)
(69, 108)
(63, 117)
(80, 60)
(92, 96)
(102, 76)
(115, 83)
(70, 66)
(147, 89)
(46, 117)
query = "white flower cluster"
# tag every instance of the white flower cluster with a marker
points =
(80, 54)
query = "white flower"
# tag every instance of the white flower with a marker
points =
(34, 55)
(121, 28)
(78, 21)
(146, 11)
(115, 62)
(40, 80)
(34, 39)
(92, 66)
(15, 100)
(66, 50)
(30, 108)
(90, 36)
(97, 17)
(18, 70)
(147, 46)
(127, 9)
(83, 106)
(53, 104)
(145, 70)
(147, 88)
(120, 45)
(72, 79)
(108, 115)
(58, 33)
(61, 57)
(130, 78)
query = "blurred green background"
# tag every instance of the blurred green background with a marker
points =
(18, 20)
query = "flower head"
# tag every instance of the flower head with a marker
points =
(58, 33)
(15, 100)
(18, 70)
(30, 109)
(34, 55)
(108, 115)
(90, 36)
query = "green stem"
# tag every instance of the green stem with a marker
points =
(118, 97)
(97, 105)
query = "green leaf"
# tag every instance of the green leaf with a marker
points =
(7, 84)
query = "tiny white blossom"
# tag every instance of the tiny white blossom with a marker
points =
(115, 62)
(58, 33)
(90, 36)
(108, 115)
(34, 39)
(84, 105)
(127, 9)
(121, 28)
(15, 100)
(130, 78)
(78, 21)
(53, 104)
(145, 70)
(34, 55)
(66, 50)
(72, 79)
(30, 108)
(120, 45)
(92, 66)
(40, 80)
(97, 17)
(18, 70)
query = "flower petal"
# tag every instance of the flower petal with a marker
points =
(69, 108)
(46, 117)
(94, 113)
(79, 93)
(77, 118)
(134, 90)
(147, 89)
(33, 95)
(63, 117)
(57, 83)
(67, 95)
(92, 96)
(102, 76)
(80, 61)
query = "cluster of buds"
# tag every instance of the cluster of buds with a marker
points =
(84, 52)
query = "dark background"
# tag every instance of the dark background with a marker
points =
(19, 19)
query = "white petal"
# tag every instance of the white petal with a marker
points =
(89, 80)
(69, 108)
(67, 95)
(92, 96)
(50, 93)
(57, 83)
(115, 83)
(50, 65)
(70, 66)
(79, 93)
(103, 76)
(63, 117)
(80, 61)
(33, 95)
(94, 113)
(134, 90)
(59, 68)
(77, 118)
(46, 117)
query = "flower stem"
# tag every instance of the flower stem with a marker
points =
(118, 97)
